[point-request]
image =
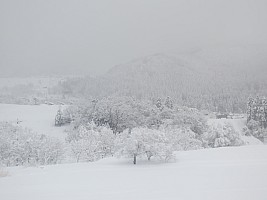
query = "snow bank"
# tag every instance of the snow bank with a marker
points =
(250, 140)
(222, 173)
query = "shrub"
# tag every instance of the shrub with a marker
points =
(183, 139)
(221, 135)
(91, 142)
(20, 146)
(144, 142)
(255, 129)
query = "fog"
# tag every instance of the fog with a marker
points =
(89, 37)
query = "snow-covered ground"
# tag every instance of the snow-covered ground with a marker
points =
(39, 118)
(234, 173)
(238, 125)
(238, 173)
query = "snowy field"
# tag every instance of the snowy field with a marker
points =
(39, 118)
(235, 173)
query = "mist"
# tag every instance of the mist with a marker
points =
(136, 100)
(89, 37)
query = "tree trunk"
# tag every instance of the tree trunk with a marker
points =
(78, 157)
(149, 155)
(134, 162)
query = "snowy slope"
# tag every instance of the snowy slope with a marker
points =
(39, 118)
(238, 125)
(225, 173)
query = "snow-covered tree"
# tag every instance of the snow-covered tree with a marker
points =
(257, 116)
(220, 135)
(249, 108)
(255, 129)
(169, 103)
(91, 142)
(183, 139)
(159, 104)
(141, 142)
(20, 146)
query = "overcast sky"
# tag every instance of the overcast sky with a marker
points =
(41, 36)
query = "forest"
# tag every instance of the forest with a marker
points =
(189, 82)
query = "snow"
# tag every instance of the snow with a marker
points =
(223, 173)
(238, 125)
(39, 118)
(250, 140)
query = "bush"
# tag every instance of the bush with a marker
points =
(255, 129)
(183, 139)
(91, 142)
(22, 147)
(144, 142)
(121, 113)
(221, 135)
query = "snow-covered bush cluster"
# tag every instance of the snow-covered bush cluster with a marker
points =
(19, 146)
(118, 113)
(121, 113)
(144, 142)
(125, 126)
(182, 139)
(254, 128)
(221, 135)
(90, 142)
(129, 127)
(133, 128)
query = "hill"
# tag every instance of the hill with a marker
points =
(218, 79)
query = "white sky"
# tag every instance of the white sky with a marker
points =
(42, 36)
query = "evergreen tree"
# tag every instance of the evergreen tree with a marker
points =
(264, 104)
(159, 104)
(169, 103)
(249, 109)
(257, 111)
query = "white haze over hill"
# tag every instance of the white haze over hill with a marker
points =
(222, 57)
(89, 37)
(143, 99)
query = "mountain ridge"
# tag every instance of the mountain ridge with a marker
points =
(218, 80)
